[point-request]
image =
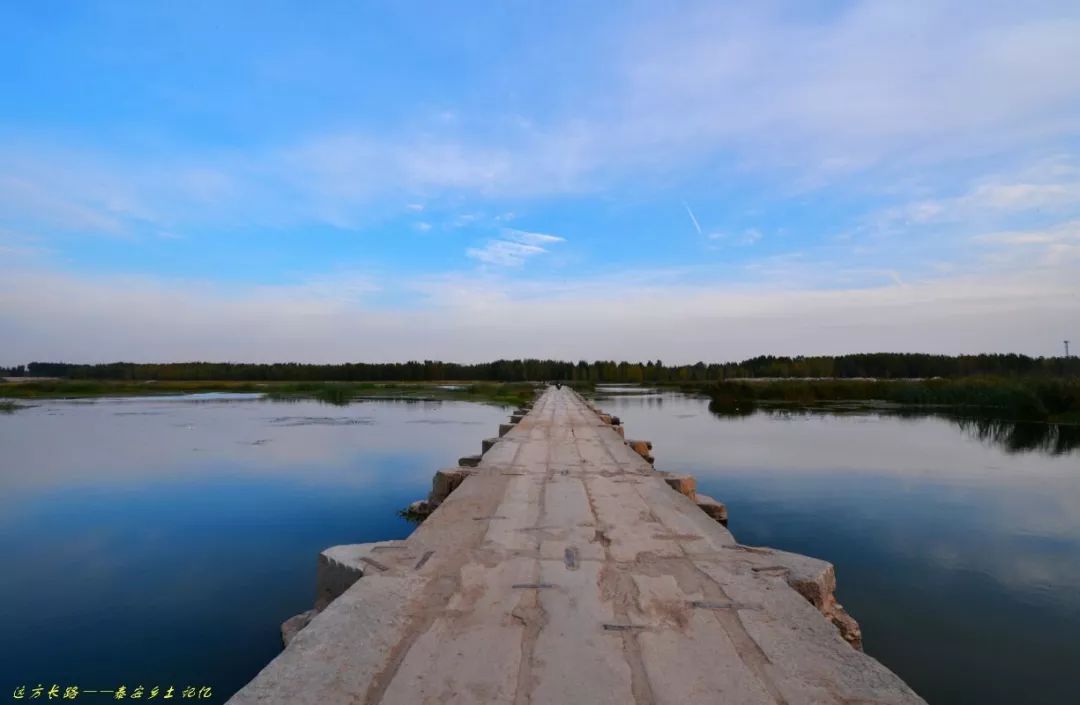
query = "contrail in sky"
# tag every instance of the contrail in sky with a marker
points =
(693, 218)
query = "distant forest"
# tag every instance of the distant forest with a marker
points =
(878, 365)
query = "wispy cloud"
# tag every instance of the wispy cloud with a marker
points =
(513, 248)
(1062, 232)
(1051, 247)
(846, 90)
(996, 198)
(504, 252)
(748, 236)
(891, 140)
(530, 238)
(330, 320)
(870, 85)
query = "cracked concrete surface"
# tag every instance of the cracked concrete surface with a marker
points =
(565, 570)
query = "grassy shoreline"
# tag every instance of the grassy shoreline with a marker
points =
(329, 392)
(1054, 400)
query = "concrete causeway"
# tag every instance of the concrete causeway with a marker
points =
(564, 569)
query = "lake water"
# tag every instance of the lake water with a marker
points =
(957, 546)
(162, 541)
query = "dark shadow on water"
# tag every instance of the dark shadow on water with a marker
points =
(1011, 436)
(1023, 436)
(731, 408)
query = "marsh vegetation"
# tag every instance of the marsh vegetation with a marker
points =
(337, 393)
(1018, 398)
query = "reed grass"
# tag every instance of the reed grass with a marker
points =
(1034, 399)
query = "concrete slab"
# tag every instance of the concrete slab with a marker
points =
(564, 570)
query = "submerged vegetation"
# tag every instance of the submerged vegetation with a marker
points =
(7, 407)
(1011, 435)
(74, 388)
(340, 393)
(1022, 436)
(337, 393)
(1031, 399)
(517, 393)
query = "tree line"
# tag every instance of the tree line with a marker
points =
(876, 365)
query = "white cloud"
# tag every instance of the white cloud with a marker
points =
(746, 237)
(994, 199)
(1052, 246)
(530, 238)
(45, 203)
(16, 247)
(514, 248)
(353, 168)
(871, 80)
(909, 94)
(760, 86)
(47, 315)
(504, 252)
(465, 219)
(1062, 232)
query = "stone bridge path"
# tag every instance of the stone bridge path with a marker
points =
(563, 571)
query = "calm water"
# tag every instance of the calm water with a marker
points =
(161, 541)
(957, 546)
(158, 541)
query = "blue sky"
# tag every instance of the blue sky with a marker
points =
(364, 181)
